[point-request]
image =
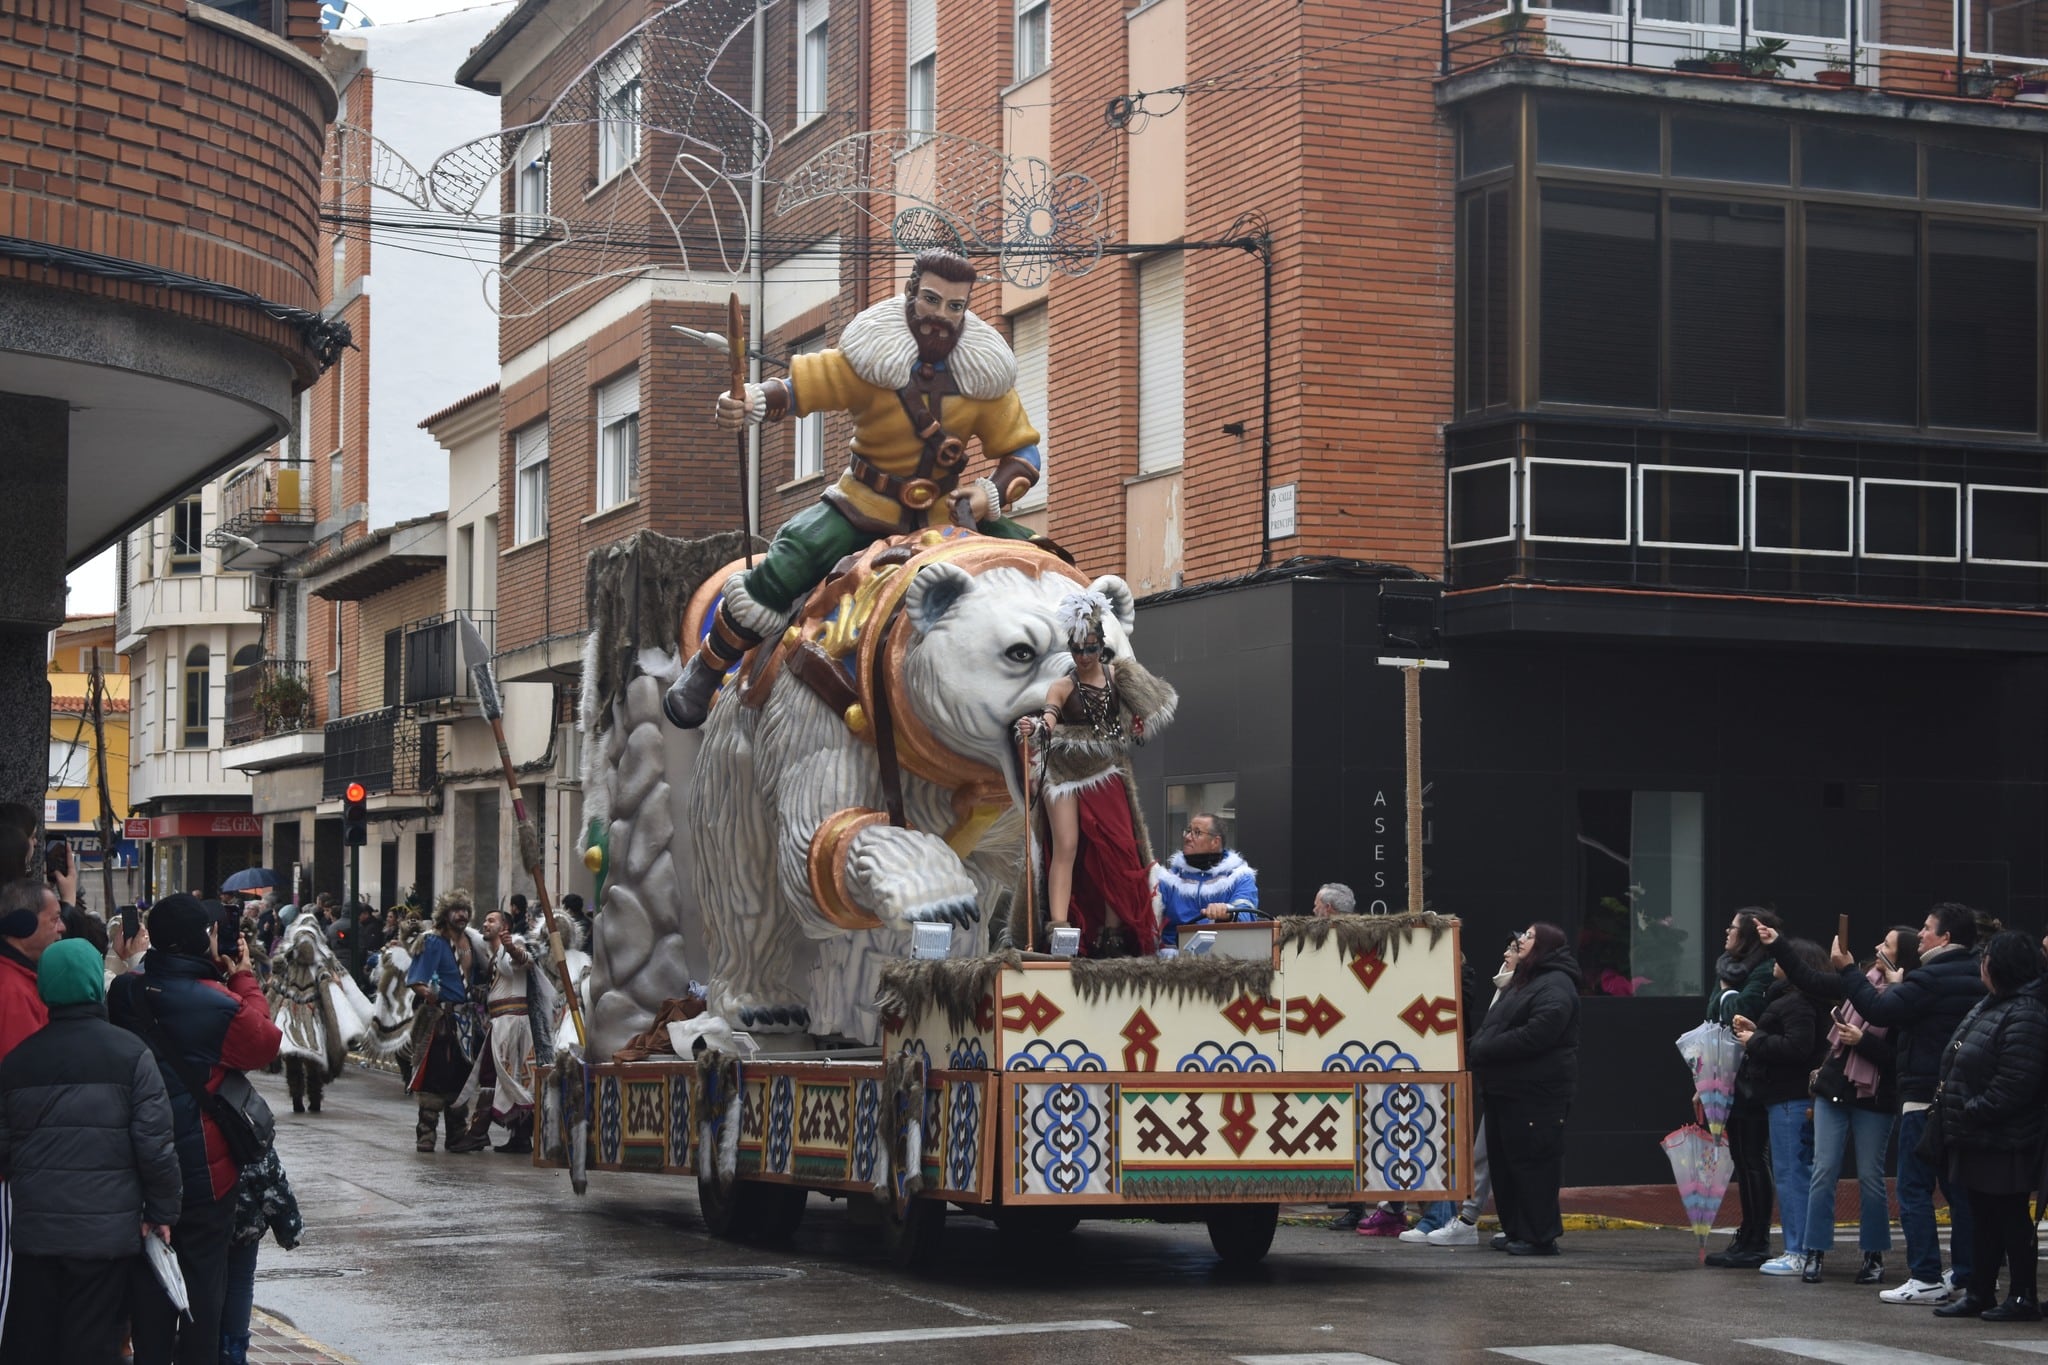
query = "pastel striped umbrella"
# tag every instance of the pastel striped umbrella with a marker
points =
(1701, 1166)
(1713, 1054)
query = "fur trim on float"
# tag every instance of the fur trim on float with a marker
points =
(909, 989)
(878, 344)
(1361, 935)
(958, 985)
(1274, 1185)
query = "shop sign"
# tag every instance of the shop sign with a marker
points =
(206, 825)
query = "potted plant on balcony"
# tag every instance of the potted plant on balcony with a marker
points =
(281, 702)
(1977, 82)
(1723, 63)
(1765, 58)
(1838, 71)
(1516, 38)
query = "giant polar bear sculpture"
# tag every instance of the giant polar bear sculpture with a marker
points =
(973, 644)
(978, 650)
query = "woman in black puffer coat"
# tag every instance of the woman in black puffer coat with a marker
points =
(1742, 978)
(1989, 1108)
(1780, 1049)
(1525, 1058)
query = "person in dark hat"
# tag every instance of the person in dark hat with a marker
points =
(208, 1013)
(86, 1139)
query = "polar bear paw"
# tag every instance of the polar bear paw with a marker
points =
(761, 1015)
(905, 877)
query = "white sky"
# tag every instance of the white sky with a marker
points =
(92, 587)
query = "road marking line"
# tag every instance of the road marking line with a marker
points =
(1314, 1358)
(1847, 1352)
(763, 1345)
(2039, 1348)
(1597, 1353)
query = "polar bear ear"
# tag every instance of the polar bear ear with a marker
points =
(936, 590)
(1120, 598)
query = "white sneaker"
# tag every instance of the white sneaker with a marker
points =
(1915, 1291)
(1791, 1263)
(1456, 1233)
(1418, 1235)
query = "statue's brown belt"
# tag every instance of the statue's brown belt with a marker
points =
(916, 494)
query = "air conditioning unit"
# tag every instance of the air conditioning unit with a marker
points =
(568, 754)
(259, 594)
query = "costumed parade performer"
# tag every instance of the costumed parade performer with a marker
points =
(521, 1010)
(449, 975)
(920, 376)
(316, 1016)
(1205, 882)
(1095, 873)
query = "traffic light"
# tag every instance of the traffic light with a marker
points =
(355, 817)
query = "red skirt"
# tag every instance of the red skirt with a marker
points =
(1110, 885)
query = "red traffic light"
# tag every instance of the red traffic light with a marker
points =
(355, 791)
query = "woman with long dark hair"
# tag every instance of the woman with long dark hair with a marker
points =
(1525, 1059)
(1781, 1048)
(1989, 1107)
(1742, 977)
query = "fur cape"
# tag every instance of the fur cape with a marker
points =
(880, 347)
(1073, 759)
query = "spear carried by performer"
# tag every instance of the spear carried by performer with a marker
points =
(493, 706)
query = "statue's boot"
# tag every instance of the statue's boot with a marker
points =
(688, 700)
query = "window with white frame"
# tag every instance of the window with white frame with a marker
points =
(1030, 342)
(187, 535)
(1034, 37)
(2007, 525)
(921, 56)
(530, 483)
(1161, 378)
(618, 440)
(618, 112)
(1580, 501)
(812, 51)
(1802, 514)
(530, 187)
(807, 434)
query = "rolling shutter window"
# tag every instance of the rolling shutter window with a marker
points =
(920, 29)
(1599, 297)
(1983, 303)
(1862, 316)
(1029, 341)
(1161, 414)
(1727, 307)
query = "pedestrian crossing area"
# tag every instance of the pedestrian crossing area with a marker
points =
(1792, 1349)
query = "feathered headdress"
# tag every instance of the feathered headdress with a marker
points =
(1079, 611)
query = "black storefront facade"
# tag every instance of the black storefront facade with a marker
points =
(1630, 765)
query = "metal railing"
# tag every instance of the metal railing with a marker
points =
(1860, 521)
(435, 670)
(273, 697)
(267, 492)
(385, 750)
(1971, 48)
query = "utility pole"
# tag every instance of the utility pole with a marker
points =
(97, 701)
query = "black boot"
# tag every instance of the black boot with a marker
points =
(1873, 1268)
(1738, 1257)
(2018, 1308)
(1968, 1306)
(423, 1134)
(521, 1141)
(688, 702)
(464, 1136)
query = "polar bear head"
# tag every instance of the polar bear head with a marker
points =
(989, 648)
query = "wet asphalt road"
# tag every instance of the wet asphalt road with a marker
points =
(411, 1258)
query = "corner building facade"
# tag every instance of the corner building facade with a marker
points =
(1712, 400)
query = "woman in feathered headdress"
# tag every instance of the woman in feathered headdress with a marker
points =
(1096, 872)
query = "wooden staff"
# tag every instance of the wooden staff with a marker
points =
(1030, 867)
(736, 349)
(531, 856)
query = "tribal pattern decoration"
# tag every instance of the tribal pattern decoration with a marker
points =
(1242, 1055)
(610, 1130)
(963, 1135)
(1405, 1137)
(967, 1054)
(867, 1131)
(1381, 1056)
(1042, 1055)
(781, 1123)
(1064, 1139)
(679, 1125)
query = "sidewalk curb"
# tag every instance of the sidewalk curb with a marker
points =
(269, 1322)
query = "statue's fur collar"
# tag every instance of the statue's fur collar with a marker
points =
(879, 346)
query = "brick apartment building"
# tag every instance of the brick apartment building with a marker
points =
(159, 169)
(1713, 400)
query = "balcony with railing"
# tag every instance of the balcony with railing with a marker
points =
(1736, 521)
(437, 680)
(266, 516)
(271, 719)
(394, 756)
(1992, 50)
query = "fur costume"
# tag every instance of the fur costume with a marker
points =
(1179, 891)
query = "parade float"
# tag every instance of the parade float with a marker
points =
(839, 857)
